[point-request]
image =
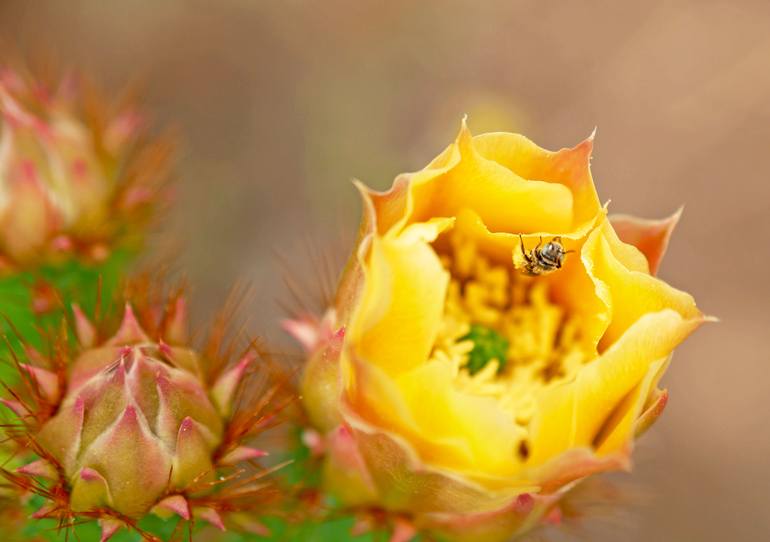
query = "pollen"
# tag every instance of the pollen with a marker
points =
(502, 333)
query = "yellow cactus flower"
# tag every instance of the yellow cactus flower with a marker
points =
(493, 340)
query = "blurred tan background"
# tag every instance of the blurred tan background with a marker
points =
(280, 104)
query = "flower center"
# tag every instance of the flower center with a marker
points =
(505, 337)
(488, 345)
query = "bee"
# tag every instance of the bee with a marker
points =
(542, 261)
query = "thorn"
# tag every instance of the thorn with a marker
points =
(130, 332)
(176, 328)
(62, 243)
(223, 390)
(129, 414)
(241, 453)
(193, 454)
(403, 531)
(41, 468)
(109, 527)
(47, 381)
(43, 511)
(34, 355)
(314, 441)
(99, 252)
(90, 475)
(210, 515)
(165, 350)
(175, 504)
(83, 328)
(554, 516)
(256, 527)
(17, 408)
(304, 330)
(361, 526)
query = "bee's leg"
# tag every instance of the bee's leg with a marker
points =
(527, 257)
(538, 245)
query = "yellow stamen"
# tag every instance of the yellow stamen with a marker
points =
(544, 343)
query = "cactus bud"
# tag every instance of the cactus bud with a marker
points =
(77, 177)
(140, 423)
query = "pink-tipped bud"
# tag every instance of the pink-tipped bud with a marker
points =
(41, 468)
(109, 527)
(240, 454)
(46, 381)
(85, 329)
(225, 387)
(130, 331)
(175, 504)
(176, 331)
(17, 408)
(138, 427)
(63, 195)
(212, 516)
(44, 511)
(152, 427)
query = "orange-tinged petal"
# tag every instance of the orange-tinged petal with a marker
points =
(518, 516)
(627, 255)
(568, 167)
(657, 404)
(504, 200)
(649, 236)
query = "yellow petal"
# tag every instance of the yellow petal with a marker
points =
(443, 414)
(376, 398)
(504, 200)
(630, 293)
(619, 430)
(407, 482)
(572, 414)
(401, 305)
(627, 255)
(568, 167)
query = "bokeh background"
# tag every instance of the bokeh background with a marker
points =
(280, 104)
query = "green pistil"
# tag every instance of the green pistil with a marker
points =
(488, 344)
